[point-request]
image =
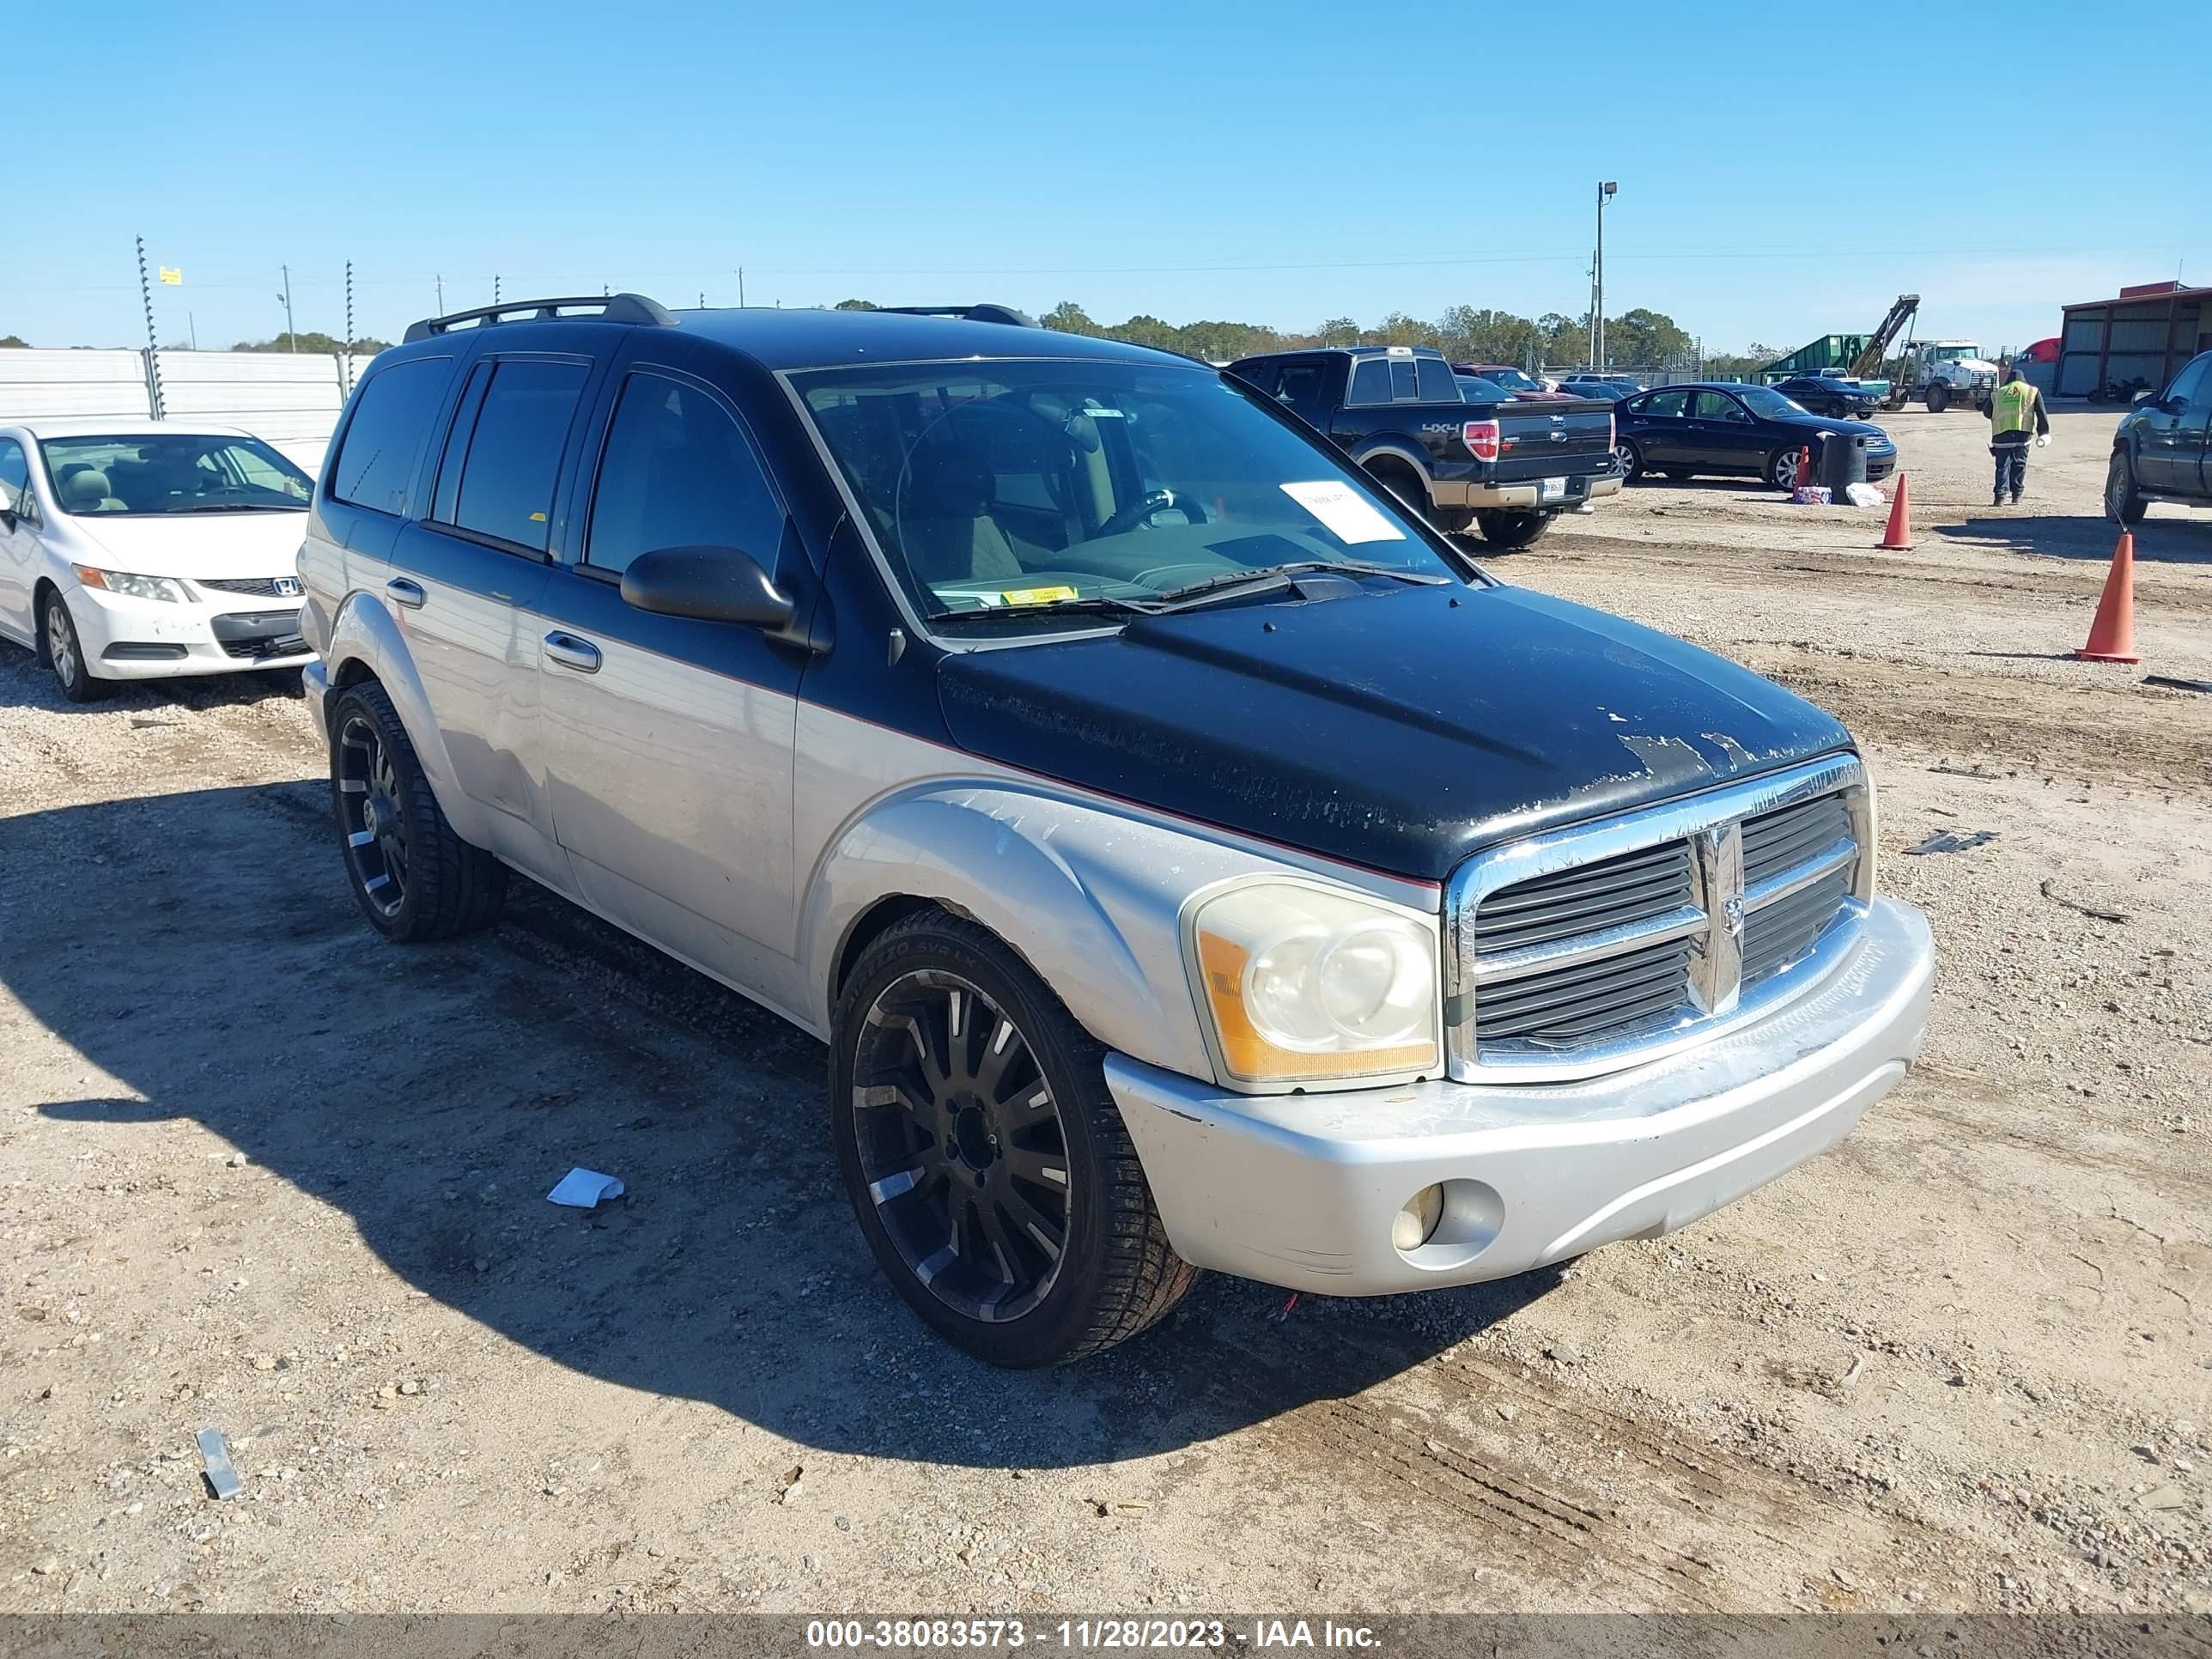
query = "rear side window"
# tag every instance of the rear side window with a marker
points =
(514, 455)
(1405, 381)
(678, 472)
(1370, 382)
(1436, 382)
(1669, 404)
(376, 459)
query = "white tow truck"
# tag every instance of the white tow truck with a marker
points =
(1945, 372)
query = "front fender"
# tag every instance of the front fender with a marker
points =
(365, 632)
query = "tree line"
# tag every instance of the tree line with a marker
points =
(1639, 339)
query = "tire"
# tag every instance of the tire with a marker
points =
(394, 834)
(1782, 467)
(1507, 528)
(1452, 521)
(1630, 460)
(1405, 484)
(2122, 504)
(1938, 399)
(958, 1134)
(63, 652)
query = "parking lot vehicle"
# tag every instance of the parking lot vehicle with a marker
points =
(2162, 448)
(1507, 470)
(145, 551)
(1683, 431)
(1590, 377)
(1517, 382)
(1941, 372)
(1831, 394)
(1190, 858)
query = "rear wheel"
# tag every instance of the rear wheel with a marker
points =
(2122, 504)
(1630, 460)
(64, 653)
(983, 1155)
(1939, 397)
(413, 877)
(1511, 527)
(1405, 484)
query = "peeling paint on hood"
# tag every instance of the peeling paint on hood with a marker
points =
(1401, 729)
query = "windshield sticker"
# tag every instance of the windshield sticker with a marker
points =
(1036, 595)
(1343, 514)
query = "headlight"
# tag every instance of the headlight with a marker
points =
(1304, 985)
(130, 586)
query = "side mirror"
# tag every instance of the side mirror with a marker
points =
(2145, 396)
(8, 518)
(711, 584)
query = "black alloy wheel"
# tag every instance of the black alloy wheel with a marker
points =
(371, 815)
(961, 1146)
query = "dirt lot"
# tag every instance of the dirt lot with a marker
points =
(263, 1172)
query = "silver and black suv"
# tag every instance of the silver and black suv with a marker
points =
(1189, 858)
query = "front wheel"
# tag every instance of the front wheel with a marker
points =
(2122, 504)
(1630, 460)
(1781, 469)
(413, 877)
(1511, 527)
(64, 653)
(983, 1155)
(1939, 398)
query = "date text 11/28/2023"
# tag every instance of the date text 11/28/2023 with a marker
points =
(1085, 1635)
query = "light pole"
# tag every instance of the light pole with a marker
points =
(291, 337)
(1605, 189)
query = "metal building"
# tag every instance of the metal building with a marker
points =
(2145, 334)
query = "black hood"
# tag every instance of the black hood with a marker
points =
(1400, 729)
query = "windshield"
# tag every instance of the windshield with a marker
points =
(146, 474)
(1476, 390)
(1765, 400)
(1513, 378)
(1947, 354)
(1002, 487)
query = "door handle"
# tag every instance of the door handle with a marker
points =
(400, 591)
(572, 653)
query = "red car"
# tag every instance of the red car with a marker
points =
(1523, 386)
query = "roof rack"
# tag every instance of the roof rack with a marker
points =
(605, 307)
(985, 313)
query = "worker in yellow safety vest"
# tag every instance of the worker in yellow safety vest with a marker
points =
(2012, 407)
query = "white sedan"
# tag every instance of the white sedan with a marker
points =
(134, 550)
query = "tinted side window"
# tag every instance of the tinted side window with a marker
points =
(1718, 406)
(15, 478)
(515, 451)
(383, 441)
(1262, 375)
(677, 472)
(1302, 387)
(1436, 386)
(1370, 382)
(2194, 384)
(1667, 404)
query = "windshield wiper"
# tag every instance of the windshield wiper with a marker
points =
(1279, 575)
(1103, 603)
(242, 506)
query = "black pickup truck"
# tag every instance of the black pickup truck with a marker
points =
(1507, 469)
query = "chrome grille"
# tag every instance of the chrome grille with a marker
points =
(1603, 946)
(263, 588)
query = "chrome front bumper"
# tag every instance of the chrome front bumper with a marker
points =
(1301, 1190)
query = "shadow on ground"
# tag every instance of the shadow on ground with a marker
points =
(202, 950)
(2159, 539)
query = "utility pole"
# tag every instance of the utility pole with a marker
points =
(1597, 311)
(440, 281)
(741, 288)
(291, 334)
(494, 288)
(153, 346)
(195, 328)
(346, 357)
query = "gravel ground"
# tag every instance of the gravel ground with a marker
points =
(263, 1172)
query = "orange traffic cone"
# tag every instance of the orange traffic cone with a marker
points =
(1804, 479)
(2112, 636)
(1898, 536)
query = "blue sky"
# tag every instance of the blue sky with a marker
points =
(1275, 163)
